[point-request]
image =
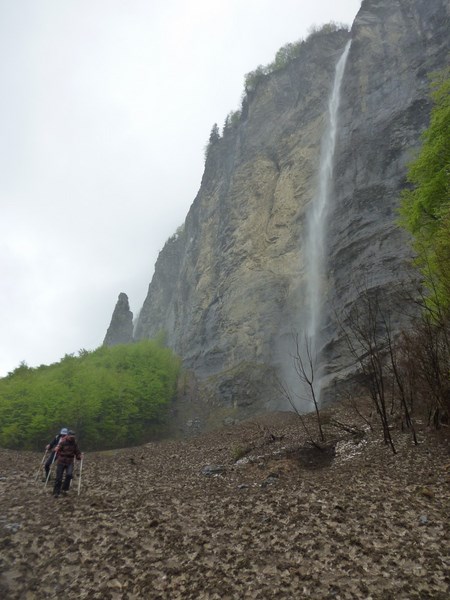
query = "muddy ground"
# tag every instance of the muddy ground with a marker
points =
(250, 511)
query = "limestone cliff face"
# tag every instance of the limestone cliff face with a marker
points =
(120, 330)
(221, 287)
(228, 288)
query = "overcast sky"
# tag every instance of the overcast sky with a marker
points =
(105, 109)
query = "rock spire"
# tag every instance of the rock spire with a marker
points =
(120, 330)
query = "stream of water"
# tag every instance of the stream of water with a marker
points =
(315, 246)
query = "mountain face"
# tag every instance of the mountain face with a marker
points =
(385, 107)
(229, 288)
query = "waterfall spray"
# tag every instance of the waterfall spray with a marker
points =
(315, 256)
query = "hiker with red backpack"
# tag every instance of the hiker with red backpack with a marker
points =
(51, 448)
(66, 451)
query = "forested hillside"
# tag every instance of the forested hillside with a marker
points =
(111, 397)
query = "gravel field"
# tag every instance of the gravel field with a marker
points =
(249, 511)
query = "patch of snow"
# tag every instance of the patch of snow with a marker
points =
(346, 450)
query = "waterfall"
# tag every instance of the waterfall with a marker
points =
(315, 251)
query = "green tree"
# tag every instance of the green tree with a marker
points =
(214, 136)
(425, 208)
(112, 397)
(253, 78)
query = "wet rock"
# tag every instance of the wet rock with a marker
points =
(213, 470)
(12, 527)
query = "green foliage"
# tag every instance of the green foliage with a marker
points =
(238, 451)
(231, 121)
(282, 58)
(253, 78)
(214, 137)
(330, 27)
(425, 208)
(286, 54)
(112, 397)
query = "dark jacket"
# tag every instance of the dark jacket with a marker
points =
(55, 442)
(67, 450)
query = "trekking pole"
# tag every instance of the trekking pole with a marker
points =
(49, 471)
(74, 470)
(79, 480)
(41, 465)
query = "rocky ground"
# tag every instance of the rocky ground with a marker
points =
(250, 511)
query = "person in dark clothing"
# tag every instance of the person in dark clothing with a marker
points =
(51, 448)
(66, 451)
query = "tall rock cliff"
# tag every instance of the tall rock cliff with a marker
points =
(385, 106)
(228, 289)
(120, 330)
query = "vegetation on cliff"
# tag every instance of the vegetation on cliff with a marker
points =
(426, 205)
(112, 397)
(284, 56)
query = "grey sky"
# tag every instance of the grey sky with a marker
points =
(105, 110)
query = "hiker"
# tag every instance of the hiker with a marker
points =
(66, 451)
(51, 448)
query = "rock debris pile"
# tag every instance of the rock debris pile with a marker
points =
(247, 512)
